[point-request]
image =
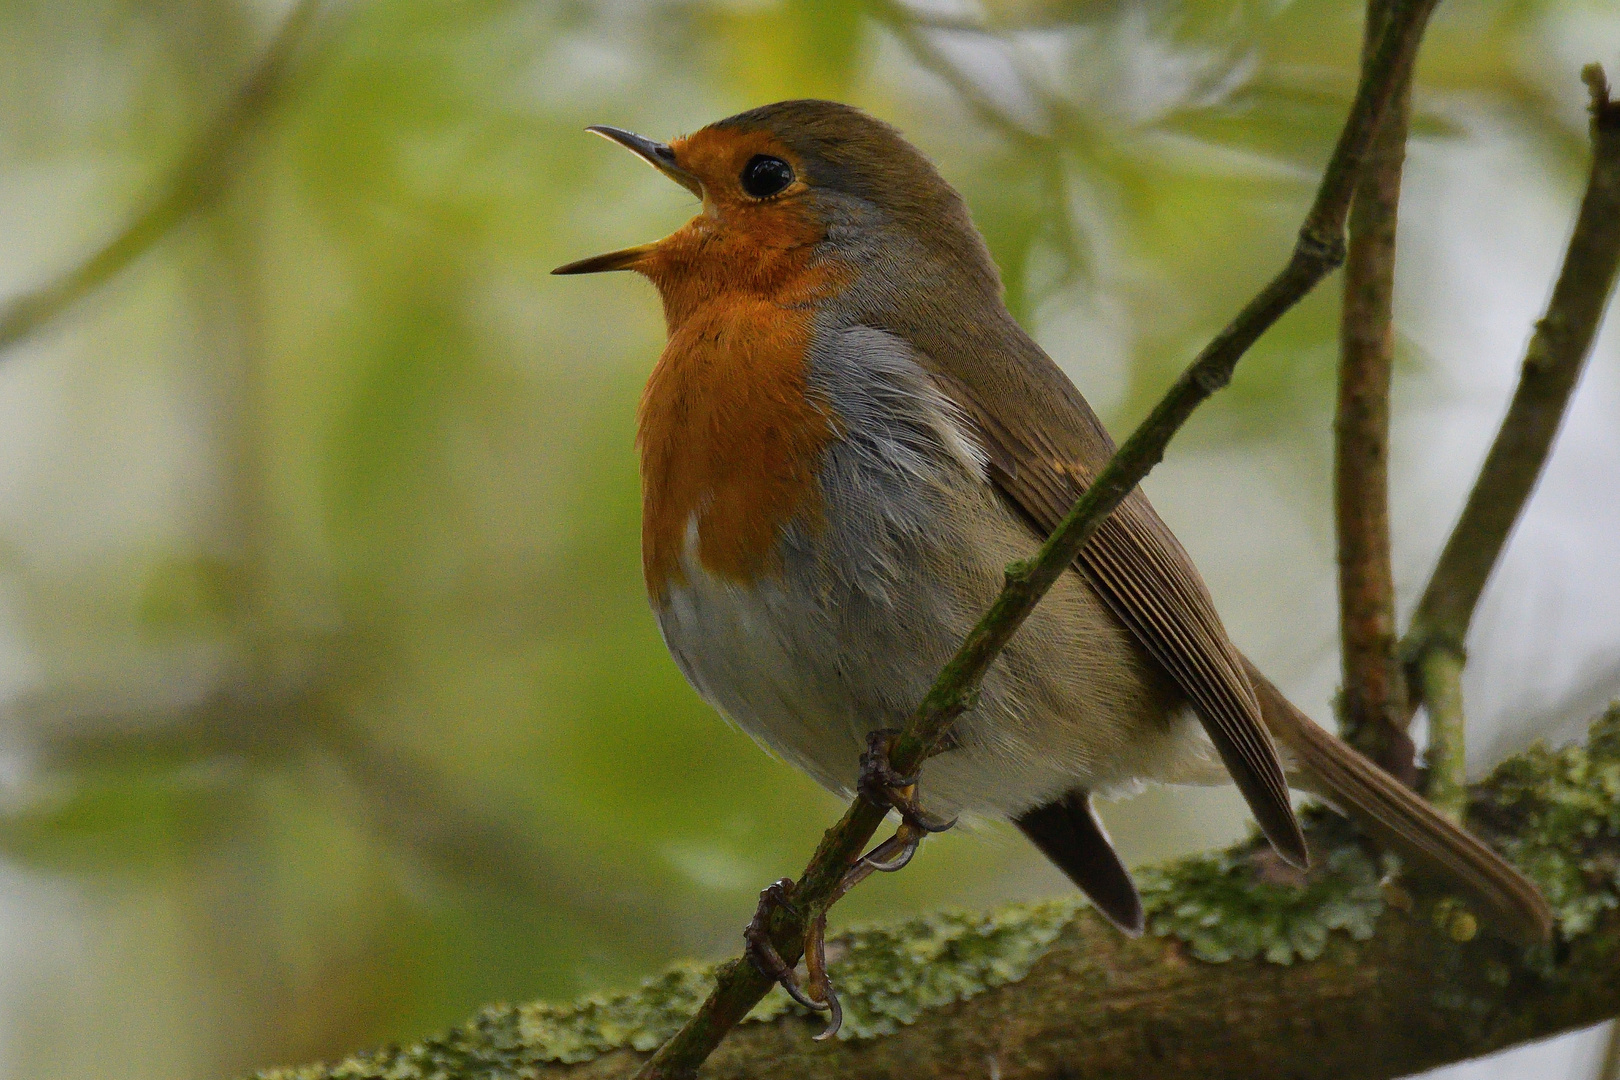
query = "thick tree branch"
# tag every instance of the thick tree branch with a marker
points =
(194, 183)
(1319, 250)
(1251, 970)
(1433, 650)
(1373, 711)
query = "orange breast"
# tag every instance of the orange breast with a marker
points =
(731, 439)
(731, 435)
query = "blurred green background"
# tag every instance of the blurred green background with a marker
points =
(332, 705)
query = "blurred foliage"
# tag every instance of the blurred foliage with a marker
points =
(329, 671)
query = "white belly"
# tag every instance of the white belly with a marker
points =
(811, 659)
(867, 606)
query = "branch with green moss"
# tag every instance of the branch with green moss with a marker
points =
(192, 185)
(1250, 969)
(1433, 650)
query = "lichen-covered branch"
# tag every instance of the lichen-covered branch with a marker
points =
(194, 182)
(1250, 969)
(1440, 677)
(1320, 248)
(1552, 365)
(1373, 712)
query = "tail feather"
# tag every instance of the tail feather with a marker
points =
(1398, 816)
(1068, 833)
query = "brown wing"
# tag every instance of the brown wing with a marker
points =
(1044, 444)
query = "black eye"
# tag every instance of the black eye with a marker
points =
(764, 176)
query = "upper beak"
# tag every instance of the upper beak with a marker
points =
(656, 154)
(659, 156)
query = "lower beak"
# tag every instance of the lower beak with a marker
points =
(613, 260)
(660, 157)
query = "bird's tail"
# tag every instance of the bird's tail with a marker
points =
(1396, 815)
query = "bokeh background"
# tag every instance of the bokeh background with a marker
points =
(332, 708)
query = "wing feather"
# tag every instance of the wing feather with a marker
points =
(1039, 462)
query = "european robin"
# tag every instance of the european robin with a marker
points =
(845, 442)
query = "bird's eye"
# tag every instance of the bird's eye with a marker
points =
(764, 176)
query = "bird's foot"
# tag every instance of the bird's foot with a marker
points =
(762, 952)
(884, 787)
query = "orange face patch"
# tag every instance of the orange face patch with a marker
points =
(717, 156)
(730, 435)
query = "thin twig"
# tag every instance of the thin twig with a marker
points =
(1374, 695)
(195, 182)
(1320, 248)
(1440, 675)
(1552, 365)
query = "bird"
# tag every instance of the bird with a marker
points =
(846, 441)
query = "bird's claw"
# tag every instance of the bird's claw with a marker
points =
(815, 965)
(878, 775)
(757, 937)
(762, 953)
(885, 787)
(895, 852)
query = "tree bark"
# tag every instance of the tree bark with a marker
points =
(1374, 696)
(1251, 970)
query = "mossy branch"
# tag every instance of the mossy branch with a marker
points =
(193, 184)
(1251, 969)
(1319, 250)
(1433, 649)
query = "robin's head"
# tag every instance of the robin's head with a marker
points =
(780, 181)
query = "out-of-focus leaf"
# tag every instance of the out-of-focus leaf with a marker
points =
(1013, 205)
(191, 593)
(384, 446)
(791, 48)
(138, 818)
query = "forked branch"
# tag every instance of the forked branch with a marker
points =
(1433, 650)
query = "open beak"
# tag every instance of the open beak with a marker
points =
(656, 154)
(660, 157)
(613, 260)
